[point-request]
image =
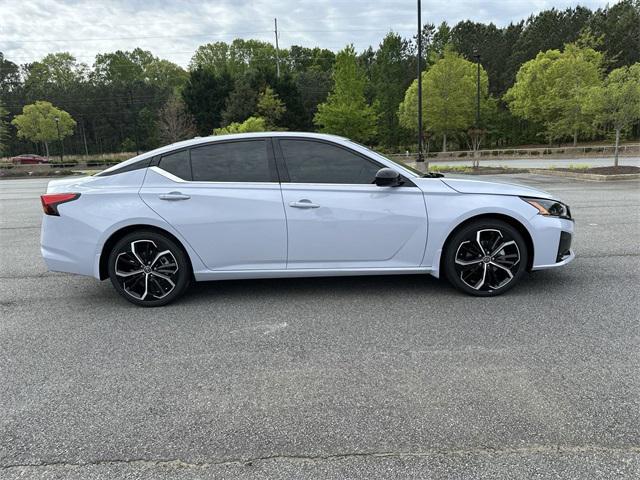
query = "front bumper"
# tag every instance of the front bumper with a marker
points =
(552, 242)
(566, 259)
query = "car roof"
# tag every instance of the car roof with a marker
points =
(219, 138)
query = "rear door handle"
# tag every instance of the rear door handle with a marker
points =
(172, 196)
(304, 203)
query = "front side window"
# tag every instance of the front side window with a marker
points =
(231, 162)
(316, 162)
(177, 164)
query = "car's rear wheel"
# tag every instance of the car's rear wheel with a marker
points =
(149, 269)
(486, 258)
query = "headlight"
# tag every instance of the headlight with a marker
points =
(550, 208)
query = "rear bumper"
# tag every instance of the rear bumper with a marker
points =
(68, 245)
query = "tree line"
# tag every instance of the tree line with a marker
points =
(560, 75)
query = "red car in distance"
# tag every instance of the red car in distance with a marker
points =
(29, 159)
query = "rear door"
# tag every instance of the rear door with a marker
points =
(337, 218)
(224, 198)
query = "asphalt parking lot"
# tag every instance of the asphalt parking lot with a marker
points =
(375, 377)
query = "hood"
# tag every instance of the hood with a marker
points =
(493, 188)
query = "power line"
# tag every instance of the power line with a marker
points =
(152, 37)
(275, 22)
(226, 34)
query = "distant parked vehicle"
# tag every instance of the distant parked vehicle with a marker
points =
(29, 159)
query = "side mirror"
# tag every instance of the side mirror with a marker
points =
(387, 177)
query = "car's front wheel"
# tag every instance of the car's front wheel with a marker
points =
(485, 258)
(148, 268)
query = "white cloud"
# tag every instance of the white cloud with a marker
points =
(173, 29)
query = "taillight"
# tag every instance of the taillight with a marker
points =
(51, 201)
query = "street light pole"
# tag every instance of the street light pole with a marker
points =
(476, 132)
(57, 120)
(420, 156)
(477, 57)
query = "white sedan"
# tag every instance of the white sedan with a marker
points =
(288, 204)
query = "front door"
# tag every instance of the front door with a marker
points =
(337, 218)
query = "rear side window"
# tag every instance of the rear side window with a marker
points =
(231, 162)
(177, 164)
(316, 162)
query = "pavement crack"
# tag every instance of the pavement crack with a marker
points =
(249, 461)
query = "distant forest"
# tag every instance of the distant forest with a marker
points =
(129, 101)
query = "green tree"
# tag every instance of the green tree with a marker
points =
(236, 58)
(440, 41)
(550, 89)
(346, 111)
(293, 117)
(241, 102)
(302, 59)
(122, 66)
(619, 26)
(251, 124)
(175, 123)
(616, 104)
(448, 97)
(4, 134)
(58, 71)
(38, 123)
(166, 75)
(547, 30)
(389, 81)
(313, 86)
(204, 95)
(491, 43)
(9, 75)
(270, 107)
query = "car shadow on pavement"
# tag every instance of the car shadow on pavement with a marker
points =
(361, 286)
(344, 285)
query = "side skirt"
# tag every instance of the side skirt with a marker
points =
(209, 275)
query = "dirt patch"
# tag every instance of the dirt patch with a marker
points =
(619, 170)
(480, 170)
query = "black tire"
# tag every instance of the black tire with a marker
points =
(139, 279)
(474, 263)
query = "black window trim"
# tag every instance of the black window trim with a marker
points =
(284, 172)
(273, 170)
(137, 165)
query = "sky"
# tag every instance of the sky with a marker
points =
(173, 29)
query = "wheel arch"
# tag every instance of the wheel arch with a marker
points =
(120, 233)
(492, 216)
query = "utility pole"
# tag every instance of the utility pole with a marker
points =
(135, 121)
(84, 136)
(57, 120)
(420, 156)
(275, 23)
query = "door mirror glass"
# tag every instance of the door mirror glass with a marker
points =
(388, 177)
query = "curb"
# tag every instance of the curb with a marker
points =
(586, 176)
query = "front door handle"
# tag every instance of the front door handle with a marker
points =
(304, 203)
(172, 196)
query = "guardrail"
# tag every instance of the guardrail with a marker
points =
(91, 165)
(587, 151)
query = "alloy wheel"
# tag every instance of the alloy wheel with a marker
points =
(488, 260)
(146, 272)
